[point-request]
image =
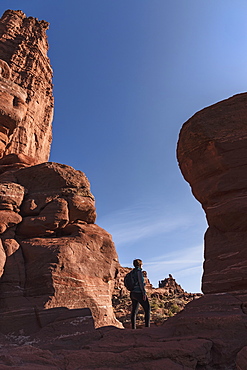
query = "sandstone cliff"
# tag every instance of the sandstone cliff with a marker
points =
(212, 154)
(25, 87)
(52, 254)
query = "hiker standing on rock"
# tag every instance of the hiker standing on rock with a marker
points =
(138, 294)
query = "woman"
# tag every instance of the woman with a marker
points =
(138, 295)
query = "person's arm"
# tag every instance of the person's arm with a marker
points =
(141, 283)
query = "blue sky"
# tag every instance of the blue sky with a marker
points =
(127, 75)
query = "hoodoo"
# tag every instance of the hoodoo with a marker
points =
(212, 154)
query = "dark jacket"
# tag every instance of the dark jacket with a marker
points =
(139, 284)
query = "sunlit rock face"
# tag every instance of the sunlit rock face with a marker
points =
(212, 155)
(13, 106)
(26, 101)
(52, 254)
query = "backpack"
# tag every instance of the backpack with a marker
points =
(130, 280)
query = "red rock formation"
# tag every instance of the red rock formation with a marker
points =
(55, 256)
(26, 101)
(212, 154)
(54, 260)
(51, 252)
(105, 348)
(209, 334)
(171, 286)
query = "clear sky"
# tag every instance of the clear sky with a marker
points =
(127, 75)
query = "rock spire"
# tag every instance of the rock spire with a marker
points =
(52, 254)
(26, 100)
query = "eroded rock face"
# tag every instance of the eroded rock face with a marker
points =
(212, 154)
(171, 286)
(52, 253)
(26, 101)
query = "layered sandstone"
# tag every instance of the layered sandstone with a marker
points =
(212, 154)
(26, 101)
(52, 254)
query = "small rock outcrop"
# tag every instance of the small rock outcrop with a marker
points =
(171, 285)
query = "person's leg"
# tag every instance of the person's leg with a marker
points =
(135, 307)
(146, 306)
(147, 313)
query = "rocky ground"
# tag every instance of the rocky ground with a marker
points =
(210, 333)
(103, 349)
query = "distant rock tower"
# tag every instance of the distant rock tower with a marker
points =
(171, 285)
